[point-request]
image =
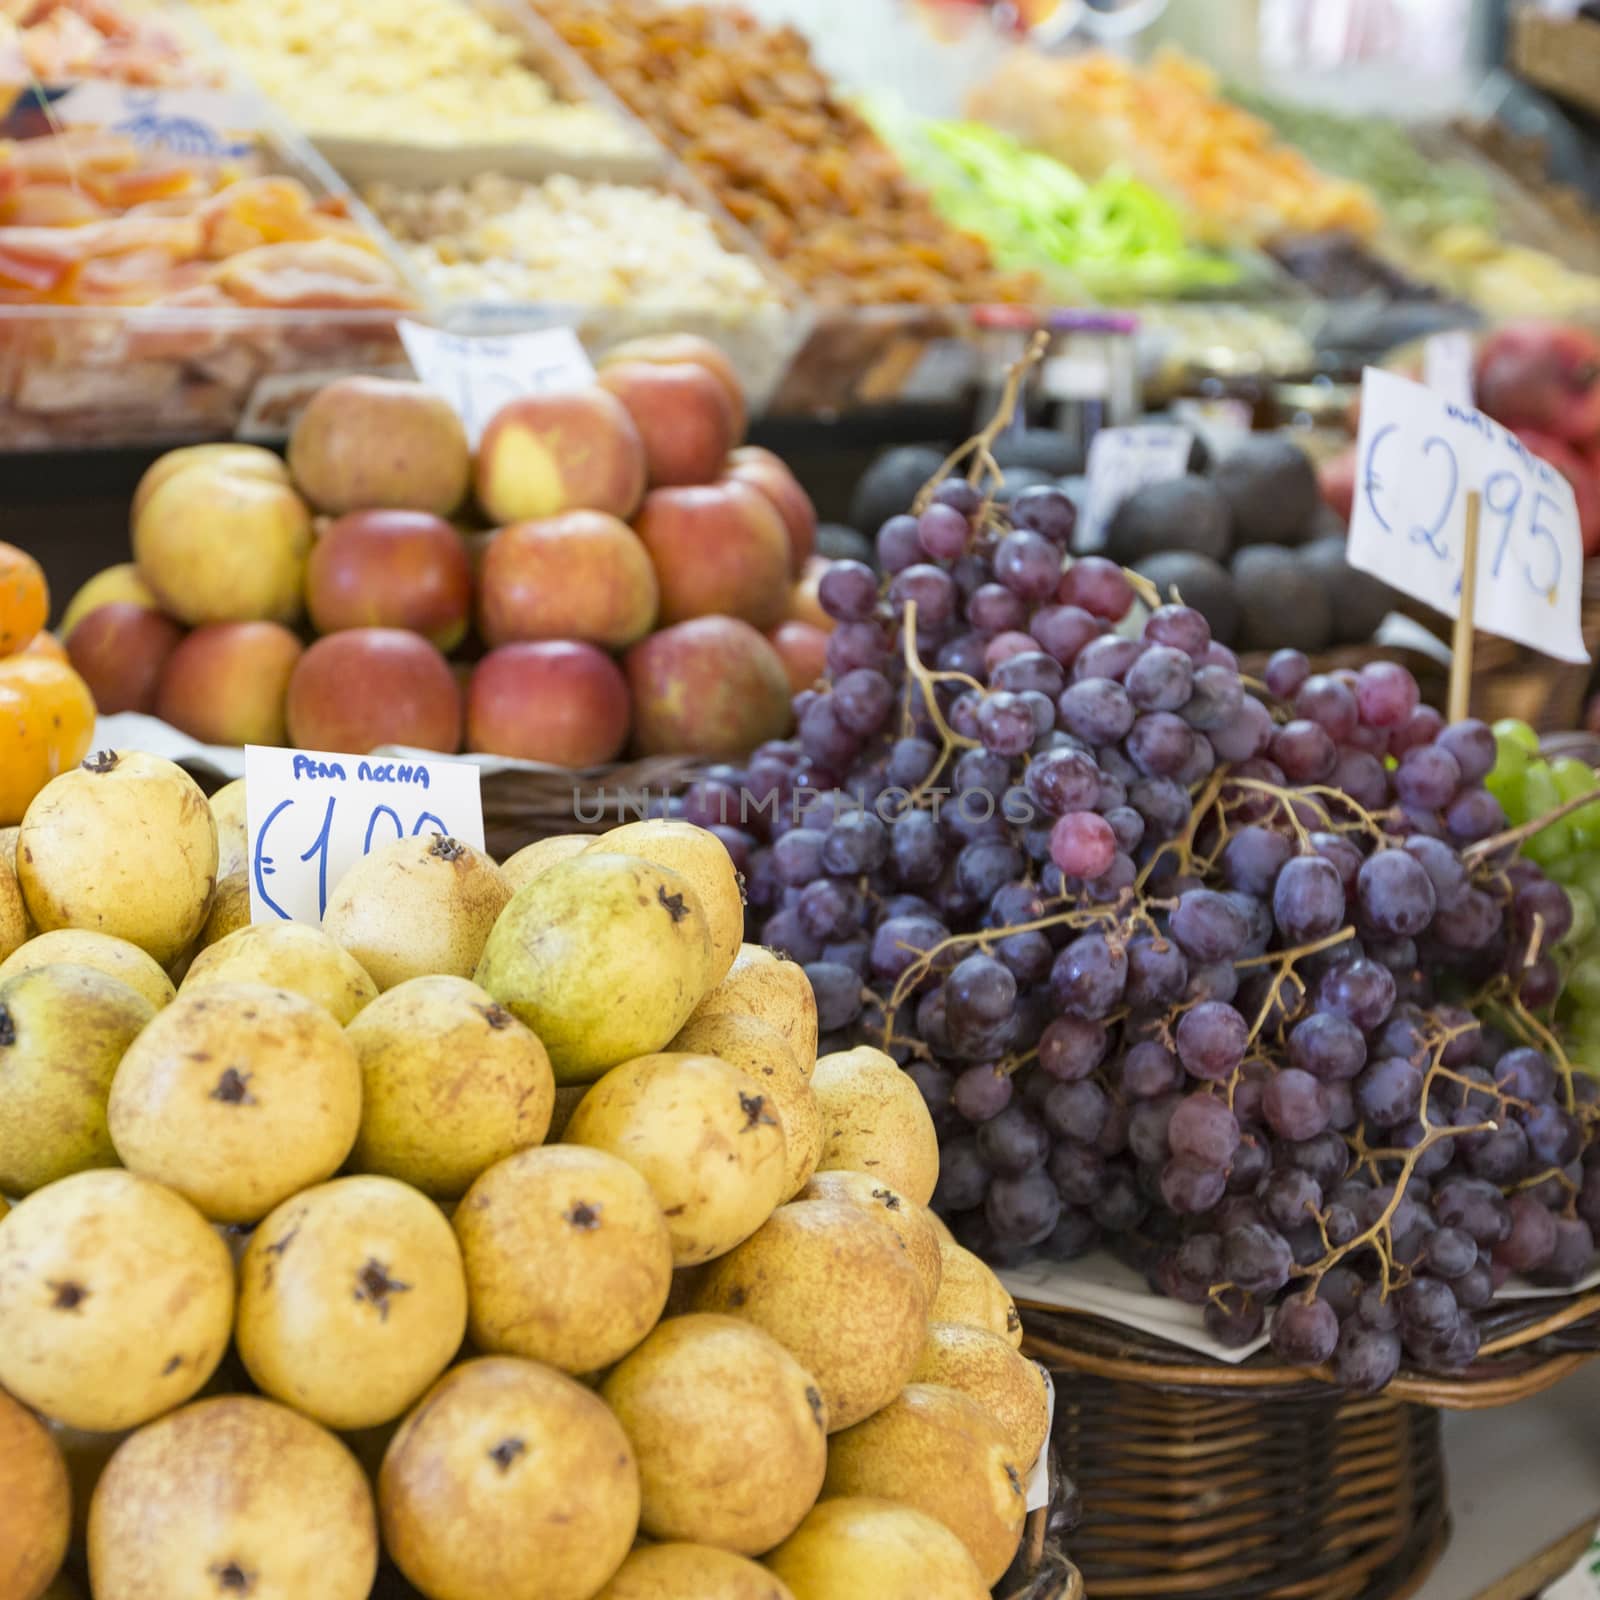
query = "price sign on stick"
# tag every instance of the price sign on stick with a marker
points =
(1419, 458)
(478, 374)
(1124, 459)
(311, 815)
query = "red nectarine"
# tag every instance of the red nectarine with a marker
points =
(771, 475)
(671, 348)
(227, 682)
(554, 700)
(711, 687)
(119, 650)
(582, 575)
(365, 687)
(803, 650)
(391, 569)
(682, 413)
(549, 453)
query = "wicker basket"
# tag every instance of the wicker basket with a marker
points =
(1259, 1481)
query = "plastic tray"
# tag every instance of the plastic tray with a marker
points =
(94, 376)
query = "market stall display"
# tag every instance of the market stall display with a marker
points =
(766, 1408)
(748, 112)
(65, 41)
(336, 70)
(645, 581)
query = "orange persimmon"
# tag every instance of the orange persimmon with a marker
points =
(46, 725)
(24, 598)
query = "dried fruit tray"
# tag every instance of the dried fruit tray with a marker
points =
(194, 365)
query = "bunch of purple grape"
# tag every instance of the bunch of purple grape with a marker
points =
(1178, 971)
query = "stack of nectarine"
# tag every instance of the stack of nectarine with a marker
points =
(647, 581)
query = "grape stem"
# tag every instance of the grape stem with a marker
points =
(1512, 837)
(980, 446)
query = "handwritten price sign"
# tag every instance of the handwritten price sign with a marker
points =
(479, 373)
(312, 815)
(1418, 457)
(1122, 460)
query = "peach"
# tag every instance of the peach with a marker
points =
(719, 549)
(554, 700)
(804, 603)
(219, 545)
(771, 475)
(119, 650)
(366, 444)
(548, 453)
(227, 683)
(583, 575)
(249, 459)
(712, 687)
(391, 569)
(121, 582)
(671, 348)
(803, 650)
(683, 415)
(365, 687)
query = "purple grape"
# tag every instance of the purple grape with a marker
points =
(848, 591)
(1472, 744)
(1011, 1142)
(1005, 724)
(1573, 1254)
(1286, 671)
(1028, 564)
(979, 989)
(1305, 1333)
(981, 1092)
(963, 1177)
(1160, 744)
(1543, 905)
(1191, 1187)
(1308, 900)
(1107, 657)
(944, 530)
(1208, 926)
(1554, 1138)
(898, 941)
(1365, 1359)
(1149, 1070)
(899, 545)
(1064, 781)
(1386, 694)
(1427, 777)
(1160, 680)
(1470, 924)
(1082, 844)
(1252, 859)
(1205, 1130)
(927, 587)
(1088, 977)
(1211, 1040)
(1395, 894)
(1423, 726)
(838, 994)
(1328, 703)
(1071, 1048)
(1449, 1253)
(858, 842)
(995, 609)
(1077, 1110)
(1443, 867)
(1304, 751)
(1295, 1104)
(1234, 1319)
(1389, 1092)
(1256, 1258)
(1022, 1209)
(1361, 776)
(1157, 972)
(1181, 627)
(1098, 585)
(1047, 511)
(1328, 1046)
(1031, 670)
(856, 644)
(1246, 735)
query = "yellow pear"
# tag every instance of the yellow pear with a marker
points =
(729, 1429)
(14, 926)
(35, 1504)
(568, 1257)
(912, 1224)
(702, 858)
(509, 1480)
(691, 1572)
(417, 907)
(286, 955)
(762, 1054)
(118, 959)
(775, 991)
(237, 1096)
(836, 1288)
(939, 1451)
(116, 1300)
(870, 1549)
(970, 1293)
(233, 844)
(352, 1300)
(533, 858)
(230, 910)
(985, 1368)
(233, 1496)
(603, 956)
(875, 1121)
(122, 844)
(703, 1136)
(451, 1084)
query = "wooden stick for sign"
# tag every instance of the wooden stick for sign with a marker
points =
(1461, 643)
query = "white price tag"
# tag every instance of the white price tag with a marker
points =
(1076, 377)
(1447, 362)
(311, 815)
(192, 122)
(1039, 1478)
(1124, 459)
(479, 373)
(1417, 459)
